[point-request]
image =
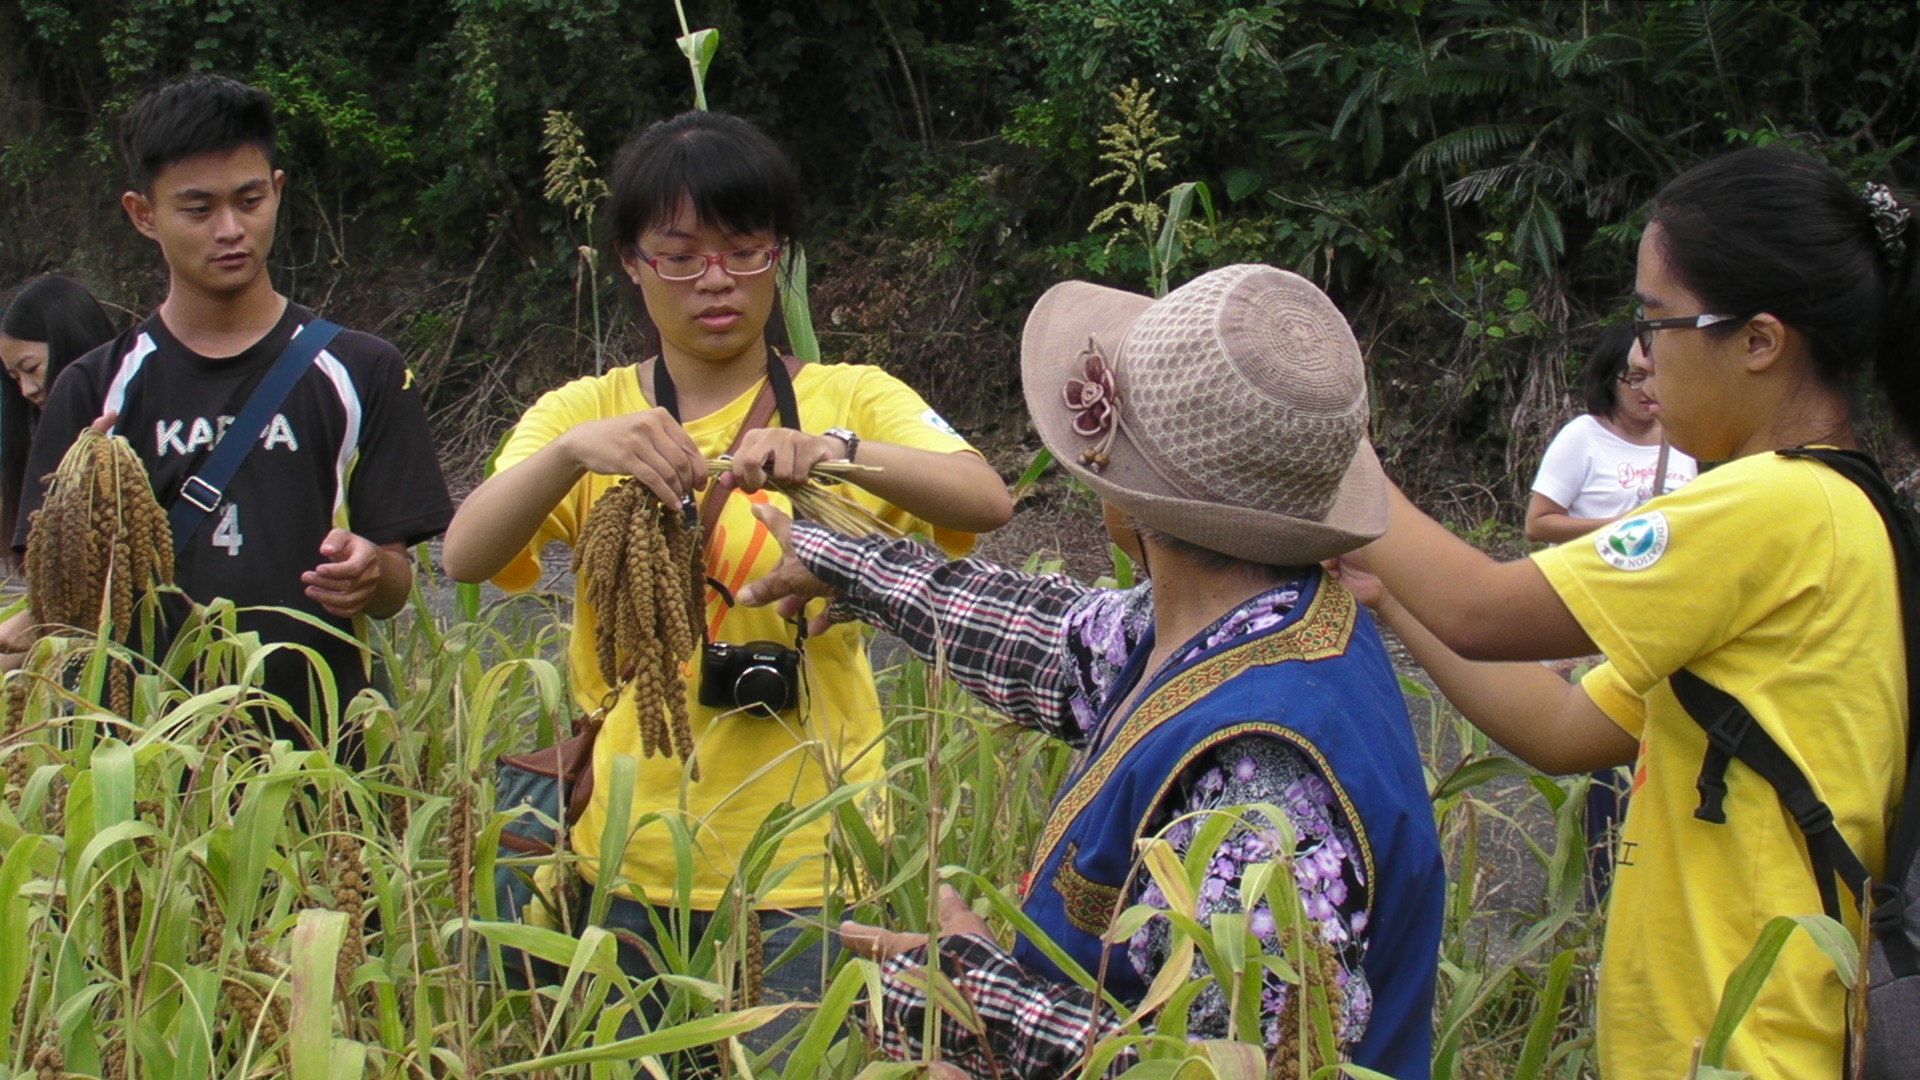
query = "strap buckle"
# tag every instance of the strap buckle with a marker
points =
(208, 500)
(1810, 813)
(1725, 732)
(1712, 787)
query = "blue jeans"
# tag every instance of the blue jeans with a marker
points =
(1606, 808)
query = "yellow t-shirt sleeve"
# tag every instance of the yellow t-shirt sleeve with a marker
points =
(1608, 690)
(887, 410)
(549, 418)
(1688, 572)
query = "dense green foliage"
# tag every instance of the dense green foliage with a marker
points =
(1465, 178)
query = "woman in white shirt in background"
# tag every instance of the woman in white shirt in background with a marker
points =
(1603, 465)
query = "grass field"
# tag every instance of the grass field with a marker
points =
(179, 899)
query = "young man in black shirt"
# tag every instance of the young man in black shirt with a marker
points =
(343, 479)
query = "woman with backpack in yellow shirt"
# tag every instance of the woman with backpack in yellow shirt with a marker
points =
(1768, 286)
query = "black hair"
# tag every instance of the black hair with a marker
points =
(60, 312)
(1776, 231)
(1599, 381)
(199, 114)
(737, 178)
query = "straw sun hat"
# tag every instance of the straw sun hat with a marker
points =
(1231, 413)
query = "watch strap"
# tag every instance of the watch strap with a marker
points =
(844, 435)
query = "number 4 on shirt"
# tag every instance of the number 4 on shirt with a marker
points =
(226, 532)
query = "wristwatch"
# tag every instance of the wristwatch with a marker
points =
(845, 436)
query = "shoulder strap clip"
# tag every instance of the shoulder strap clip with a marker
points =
(1727, 724)
(193, 494)
(204, 489)
(1721, 715)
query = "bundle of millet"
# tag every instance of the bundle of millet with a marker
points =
(98, 538)
(645, 578)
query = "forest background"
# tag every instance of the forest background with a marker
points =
(1466, 179)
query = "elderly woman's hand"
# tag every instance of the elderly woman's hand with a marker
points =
(789, 584)
(877, 943)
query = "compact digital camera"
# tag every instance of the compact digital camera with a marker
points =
(759, 675)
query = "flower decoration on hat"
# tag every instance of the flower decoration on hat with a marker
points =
(1092, 400)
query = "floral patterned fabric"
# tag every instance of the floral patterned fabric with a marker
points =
(1327, 867)
(1051, 653)
(1102, 631)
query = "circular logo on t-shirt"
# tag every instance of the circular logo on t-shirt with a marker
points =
(937, 422)
(1634, 543)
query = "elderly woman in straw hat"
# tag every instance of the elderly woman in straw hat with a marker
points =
(1224, 429)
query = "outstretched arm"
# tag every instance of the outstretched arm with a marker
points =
(956, 490)
(1001, 634)
(1478, 607)
(1034, 1029)
(1535, 714)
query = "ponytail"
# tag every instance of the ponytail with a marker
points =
(1897, 360)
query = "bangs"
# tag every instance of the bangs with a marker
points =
(724, 191)
(732, 176)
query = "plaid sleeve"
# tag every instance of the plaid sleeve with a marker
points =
(1035, 1029)
(1002, 634)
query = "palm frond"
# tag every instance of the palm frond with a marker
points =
(1465, 146)
(1480, 183)
(1478, 76)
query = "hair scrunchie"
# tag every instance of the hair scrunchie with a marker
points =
(1889, 221)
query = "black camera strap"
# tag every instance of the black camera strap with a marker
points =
(775, 393)
(780, 372)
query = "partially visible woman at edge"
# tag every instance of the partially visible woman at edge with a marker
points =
(1603, 464)
(1768, 286)
(700, 208)
(50, 322)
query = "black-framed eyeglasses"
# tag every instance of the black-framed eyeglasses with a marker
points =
(741, 262)
(1644, 328)
(1632, 380)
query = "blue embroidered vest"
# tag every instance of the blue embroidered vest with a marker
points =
(1321, 681)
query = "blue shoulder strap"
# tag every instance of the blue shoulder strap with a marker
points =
(204, 489)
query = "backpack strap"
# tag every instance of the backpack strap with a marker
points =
(1897, 512)
(1732, 734)
(1891, 896)
(205, 488)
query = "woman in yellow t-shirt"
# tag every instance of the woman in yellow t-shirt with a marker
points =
(1768, 287)
(700, 208)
